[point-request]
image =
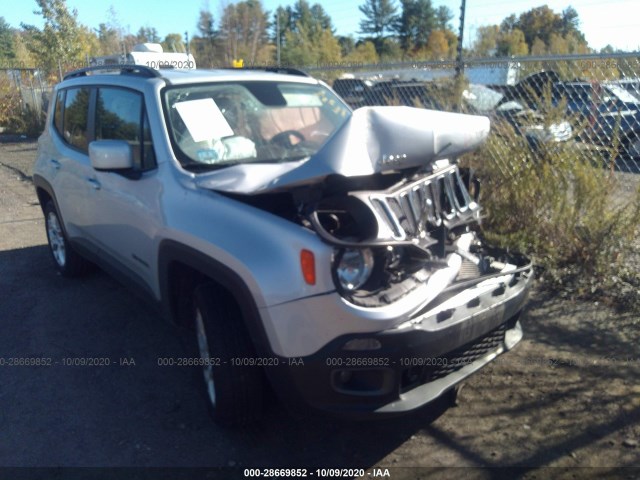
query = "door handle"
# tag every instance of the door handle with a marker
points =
(94, 183)
(55, 163)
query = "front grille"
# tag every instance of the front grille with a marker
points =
(439, 199)
(453, 361)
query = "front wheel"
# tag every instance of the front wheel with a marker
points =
(235, 390)
(67, 261)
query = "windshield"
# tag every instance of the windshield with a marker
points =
(221, 124)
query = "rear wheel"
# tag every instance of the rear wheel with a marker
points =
(234, 388)
(67, 261)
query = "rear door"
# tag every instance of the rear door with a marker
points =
(70, 163)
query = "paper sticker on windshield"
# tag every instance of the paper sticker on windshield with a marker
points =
(203, 119)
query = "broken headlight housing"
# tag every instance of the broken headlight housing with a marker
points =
(353, 267)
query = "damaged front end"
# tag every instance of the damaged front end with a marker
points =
(420, 301)
(413, 245)
(413, 223)
(420, 232)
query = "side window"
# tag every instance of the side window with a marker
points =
(59, 110)
(120, 116)
(74, 129)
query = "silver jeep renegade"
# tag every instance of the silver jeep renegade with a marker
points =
(332, 253)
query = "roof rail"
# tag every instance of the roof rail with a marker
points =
(274, 69)
(124, 68)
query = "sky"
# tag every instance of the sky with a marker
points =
(615, 22)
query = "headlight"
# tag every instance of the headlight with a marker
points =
(354, 268)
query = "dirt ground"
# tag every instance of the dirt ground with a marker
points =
(564, 404)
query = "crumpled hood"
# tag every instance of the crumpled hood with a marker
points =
(373, 140)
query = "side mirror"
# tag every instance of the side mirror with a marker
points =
(110, 155)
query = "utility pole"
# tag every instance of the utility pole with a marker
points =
(459, 60)
(186, 39)
(278, 36)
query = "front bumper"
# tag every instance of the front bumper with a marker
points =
(403, 368)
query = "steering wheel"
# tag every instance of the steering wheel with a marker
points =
(284, 138)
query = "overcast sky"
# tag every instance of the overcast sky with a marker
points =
(615, 22)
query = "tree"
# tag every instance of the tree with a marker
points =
(378, 24)
(364, 52)
(570, 22)
(23, 56)
(512, 44)
(538, 47)
(347, 44)
(206, 25)
(308, 36)
(539, 22)
(415, 24)
(305, 47)
(486, 44)
(204, 44)
(108, 39)
(243, 30)
(313, 17)
(558, 44)
(438, 46)
(147, 34)
(452, 40)
(509, 23)
(59, 40)
(443, 17)
(173, 43)
(7, 46)
(539, 31)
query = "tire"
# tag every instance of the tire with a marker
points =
(66, 260)
(235, 393)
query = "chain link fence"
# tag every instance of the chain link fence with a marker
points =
(24, 100)
(586, 104)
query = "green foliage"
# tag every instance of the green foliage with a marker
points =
(378, 24)
(364, 53)
(13, 118)
(29, 122)
(109, 40)
(443, 17)
(308, 47)
(59, 40)
(512, 43)
(9, 101)
(538, 31)
(147, 34)
(173, 43)
(7, 47)
(204, 45)
(243, 31)
(415, 23)
(558, 204)
(308, 37)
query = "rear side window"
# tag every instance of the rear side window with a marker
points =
(120, 116)
(59, 109)
(74, 128)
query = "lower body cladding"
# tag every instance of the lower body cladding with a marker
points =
(374, 375)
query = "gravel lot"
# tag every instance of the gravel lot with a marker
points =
(567, 397)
